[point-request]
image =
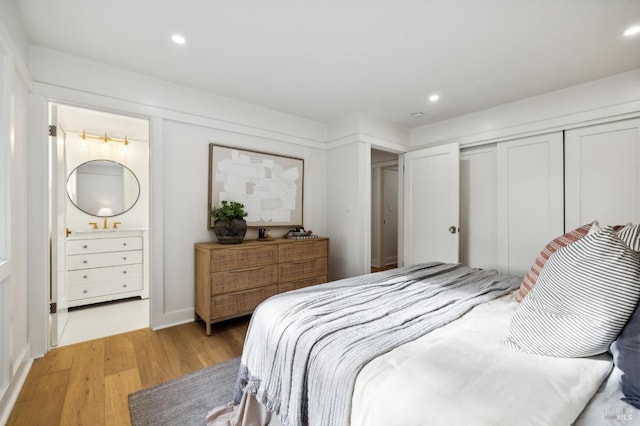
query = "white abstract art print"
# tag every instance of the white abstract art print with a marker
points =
(270, 186)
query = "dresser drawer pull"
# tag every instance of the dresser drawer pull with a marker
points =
(124, 258)
(239, 271)
(85, 277)
(124, 272)
(85, 246)
(124, 244)
(124, 285)
(84, 291)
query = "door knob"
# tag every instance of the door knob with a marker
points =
(453, 229)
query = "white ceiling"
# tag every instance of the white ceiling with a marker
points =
(326, 59)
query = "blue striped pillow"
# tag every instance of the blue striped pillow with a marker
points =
(583, 298)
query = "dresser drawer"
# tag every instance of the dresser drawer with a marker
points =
(111, 273)
(294, 285)
(96, 289)
(234, 304)
(303, 269)
(300, 250)
(243, 279)
(99, 260)
(243, 257)
(101, 245)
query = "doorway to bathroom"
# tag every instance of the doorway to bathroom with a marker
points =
(99, 213)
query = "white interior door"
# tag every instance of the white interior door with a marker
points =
(602, 177)
(432, 204)
(58, 289)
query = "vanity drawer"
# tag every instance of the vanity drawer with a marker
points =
(102, 245)
(100, 260)
(97, 289)
(111, 273)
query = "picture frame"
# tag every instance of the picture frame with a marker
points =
(269, 185)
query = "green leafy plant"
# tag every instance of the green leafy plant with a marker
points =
(229, 210)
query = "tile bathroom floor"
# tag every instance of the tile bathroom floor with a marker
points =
(101, 320)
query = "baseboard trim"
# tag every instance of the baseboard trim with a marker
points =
(10, 395)
(173, 318)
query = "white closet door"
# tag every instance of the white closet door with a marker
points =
(602, 174)
(530, 199)
(431, 204)
(478, 207)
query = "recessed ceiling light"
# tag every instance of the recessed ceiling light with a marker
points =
(417, 114)
(631, 31)
(178, 39)
(434, 98)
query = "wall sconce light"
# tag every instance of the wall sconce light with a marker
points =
(104, 138)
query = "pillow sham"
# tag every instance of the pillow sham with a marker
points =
(583, 298)
(553, 246)
(631, 236)
(626, 356)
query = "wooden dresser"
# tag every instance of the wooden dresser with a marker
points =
(232, 279)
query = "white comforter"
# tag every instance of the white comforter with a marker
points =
(463, 373)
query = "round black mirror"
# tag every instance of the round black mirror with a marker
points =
(103, 188)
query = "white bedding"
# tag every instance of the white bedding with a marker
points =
(606, 407)
(432, 381)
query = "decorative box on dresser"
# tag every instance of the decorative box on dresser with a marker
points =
(106, 265)
(232, 279)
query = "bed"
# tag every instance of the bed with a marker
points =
(446, 344)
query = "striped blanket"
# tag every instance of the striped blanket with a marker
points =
(304, 349)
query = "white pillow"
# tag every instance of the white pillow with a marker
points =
(584, 296)
(631, 236)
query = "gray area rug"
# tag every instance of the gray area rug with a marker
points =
(187, 399)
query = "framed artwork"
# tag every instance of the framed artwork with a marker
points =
(270, 186)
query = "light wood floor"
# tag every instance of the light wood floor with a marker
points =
(88, 383)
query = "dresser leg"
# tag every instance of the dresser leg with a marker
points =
(208, 328)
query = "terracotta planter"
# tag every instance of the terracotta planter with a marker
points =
(230, 232)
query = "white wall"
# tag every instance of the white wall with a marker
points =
(13, 39)
(19, 264)
(349, 209)
(604, 99)
(185, 173)
(70, 72)
(15, 355)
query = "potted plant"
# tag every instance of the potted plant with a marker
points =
(230, 226)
